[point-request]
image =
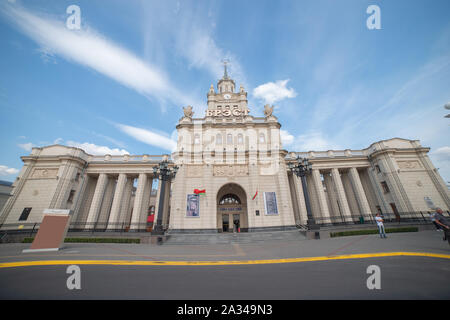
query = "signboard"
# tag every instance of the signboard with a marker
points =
(57, 211)
(52, 231)
(230, 209)
(270, 203)
(193, 205)
(429, 203)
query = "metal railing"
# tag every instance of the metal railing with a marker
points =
(365, 219)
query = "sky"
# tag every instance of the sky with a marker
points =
(117, 84)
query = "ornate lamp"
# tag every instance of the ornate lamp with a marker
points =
(301, 168)
(165, 174)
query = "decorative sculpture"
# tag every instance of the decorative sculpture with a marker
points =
(188, 111)
(268, 110)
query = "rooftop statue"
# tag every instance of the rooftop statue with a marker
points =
(188, 113)
(268, 110)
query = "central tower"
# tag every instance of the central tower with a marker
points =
(226, 102)
(236, 162)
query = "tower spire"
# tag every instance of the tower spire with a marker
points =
(225, 73)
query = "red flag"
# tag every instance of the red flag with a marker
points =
(255, 195)
(197, 191)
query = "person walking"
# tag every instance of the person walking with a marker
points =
(380, 225)
(443, 222)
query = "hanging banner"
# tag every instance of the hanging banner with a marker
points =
(270, 203)
(193, 205)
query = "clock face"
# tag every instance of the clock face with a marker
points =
(226, 96)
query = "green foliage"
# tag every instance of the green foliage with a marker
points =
(92, 240)
(371, 231)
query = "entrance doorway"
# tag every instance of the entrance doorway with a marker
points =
(232, 209)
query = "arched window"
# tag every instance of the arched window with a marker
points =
(230, 199)
(218, 138)
(262, 138)
(229, 139)
(240, 138)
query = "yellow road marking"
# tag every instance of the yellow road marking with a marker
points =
(217, 263)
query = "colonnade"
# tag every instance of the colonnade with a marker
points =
(117, 201)
(336, 195)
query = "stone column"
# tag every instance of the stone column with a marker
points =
(341, 195)
(96, 203)
(324, 211)
(126, 203)
(138, 206)
(167, 204)
(80, 196)
(359, 192)
(300, 199)
(117, 202)
(334, 208)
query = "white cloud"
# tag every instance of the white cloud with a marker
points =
(442, 153)
(4, 170)
(272, 92)
(89, 48)
(314, 141)
(96, 149)
(149, 137)
(26, 146)
(286, 138)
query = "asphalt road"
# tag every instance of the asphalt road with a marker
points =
(401, 277)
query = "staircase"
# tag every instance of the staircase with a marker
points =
(226, 238)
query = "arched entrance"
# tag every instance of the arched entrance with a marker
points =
(232, 209)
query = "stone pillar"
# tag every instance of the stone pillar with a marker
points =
(359, 192)
(167, 204)
(96, 203)
(138, 206)
(126, 203)
(331, 193)
(81, 194)
(341, 195)
(300, 199)
(117, 202)
(324, 211)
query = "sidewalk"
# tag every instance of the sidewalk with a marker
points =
(425, 241)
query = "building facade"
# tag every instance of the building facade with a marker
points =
(232, 176)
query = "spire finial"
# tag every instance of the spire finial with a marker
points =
(225, 73)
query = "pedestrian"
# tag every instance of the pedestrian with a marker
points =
(443, 222)
(380, 225)
(433, 220)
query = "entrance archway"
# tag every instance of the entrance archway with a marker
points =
(232, 209)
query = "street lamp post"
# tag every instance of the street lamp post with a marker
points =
(165, 174)
(301, 169)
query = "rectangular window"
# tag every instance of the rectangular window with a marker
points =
(385, 187)
(71, 195)
(25, 214)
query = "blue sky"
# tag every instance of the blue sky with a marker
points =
(119, 83)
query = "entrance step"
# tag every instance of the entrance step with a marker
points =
(224, 238)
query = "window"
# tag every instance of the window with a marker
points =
(379, 210)
(25, 214)
(385, 187)
(71, 195)
(218, 138)
(377, 167)
(262, 138)
(229, 139)
(230, 199)
(77, 177)
(240, 138)
(197, 139)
